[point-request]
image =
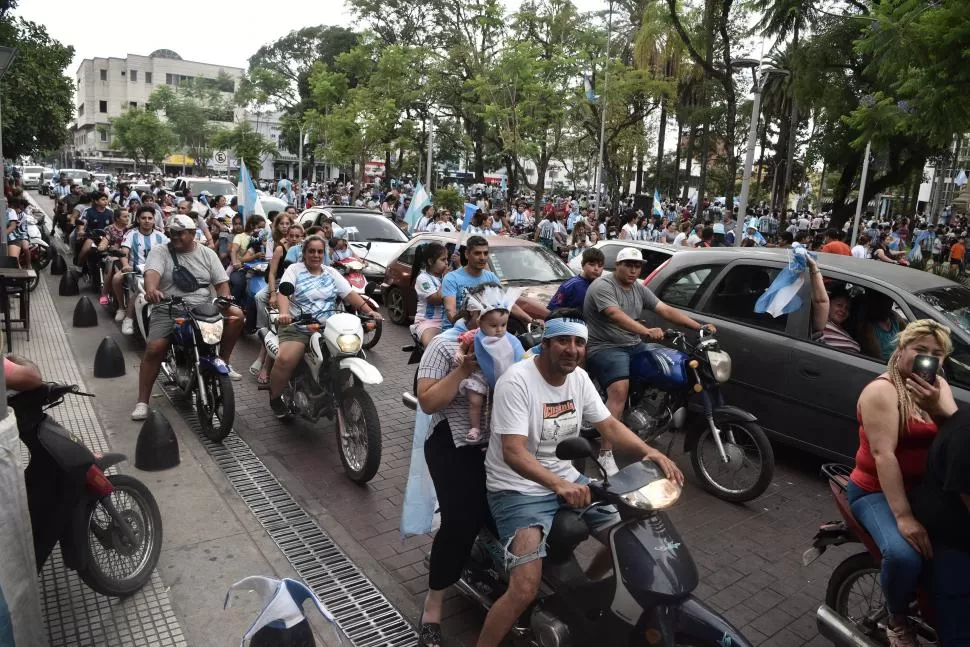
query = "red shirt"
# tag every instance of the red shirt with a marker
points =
(911, 453)
(837, 247)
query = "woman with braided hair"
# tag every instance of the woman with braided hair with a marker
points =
(899, 416)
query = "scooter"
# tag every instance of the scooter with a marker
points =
(194, 366)
(648, 600)
(678, 389)
(109, 527)
(854, 613)
(330, 381)
(255, 281)
(352, 269)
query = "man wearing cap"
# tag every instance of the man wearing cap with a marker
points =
(614, 302)
(538, 403)
(204, 265)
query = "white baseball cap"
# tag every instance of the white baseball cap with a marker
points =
(629, 254)
(180, 222)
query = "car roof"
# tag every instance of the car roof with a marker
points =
(905, 278)
(643, 244)
(493, 241)
(338, 208)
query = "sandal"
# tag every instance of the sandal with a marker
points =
(262, 378)
(255, 368)
(429, 634)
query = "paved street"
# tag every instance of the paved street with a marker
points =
(749, 556)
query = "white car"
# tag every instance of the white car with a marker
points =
(654, 255)
(31, 176)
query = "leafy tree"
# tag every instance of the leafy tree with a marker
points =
(141, 135)
(250, 147)
(195, 110)
(449, 199)
(37, 99)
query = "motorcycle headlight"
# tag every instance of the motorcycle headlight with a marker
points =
(656, 495)
(720, 365)
(211, 331)
(348, 343)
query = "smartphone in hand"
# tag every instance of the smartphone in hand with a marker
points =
(926, 366)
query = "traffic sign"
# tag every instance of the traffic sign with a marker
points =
(221, 157)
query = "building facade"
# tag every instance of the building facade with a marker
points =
(106, 87)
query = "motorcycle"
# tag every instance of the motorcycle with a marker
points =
(648, 600)
(39, 249)
(109, 527)
(330, 382)
(194, 366)
(255, 281)
(352, 269)
(678, 389)
(854, 613)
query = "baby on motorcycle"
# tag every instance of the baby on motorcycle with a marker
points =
(493, 347)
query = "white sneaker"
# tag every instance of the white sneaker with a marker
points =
(128, 326)
(233, 375)
(608, 463)
(140, 412)
(119, 315)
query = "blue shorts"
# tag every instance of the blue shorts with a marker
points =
(513, 511)
(612, 364)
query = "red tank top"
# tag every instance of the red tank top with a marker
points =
(911, 452)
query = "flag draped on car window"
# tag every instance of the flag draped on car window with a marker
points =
(781, 297)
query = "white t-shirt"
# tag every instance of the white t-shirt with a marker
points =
(526, 405)
(680, 240)
(859, 251)
(631, 231)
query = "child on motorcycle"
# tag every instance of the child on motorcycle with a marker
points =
(493, 347)
(430, 266)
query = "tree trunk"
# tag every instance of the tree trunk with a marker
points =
(661, 140)
(732, 160)
(706, 134)
(761, 167)
(640, 159)
(690, 161)
(680, 136)
(792, 132)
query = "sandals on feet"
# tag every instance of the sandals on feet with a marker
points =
(262, 378)
(429, 635)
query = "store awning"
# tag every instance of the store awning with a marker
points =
(178, 159)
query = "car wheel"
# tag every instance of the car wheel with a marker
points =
(395, 307)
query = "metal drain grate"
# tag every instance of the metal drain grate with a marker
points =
(362, 612)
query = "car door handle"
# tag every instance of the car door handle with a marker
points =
(810, 372)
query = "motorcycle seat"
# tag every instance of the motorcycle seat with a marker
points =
(206, 311)
(567, 532)
(842, 503)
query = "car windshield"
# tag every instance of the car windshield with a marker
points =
(77, 175)
(527, 264)
(33, 169)
(952, 302)
(215, 187)
(371, 227)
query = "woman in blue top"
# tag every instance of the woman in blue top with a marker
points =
(316, 289)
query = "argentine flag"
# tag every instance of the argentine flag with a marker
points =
(246, 194)
(781, 297)
(419, 201)
(657, 211)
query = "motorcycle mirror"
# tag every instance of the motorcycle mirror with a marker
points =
(573, 449)
(286, 289)
(367, 246)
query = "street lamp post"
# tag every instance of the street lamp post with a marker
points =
(862, 192)
(300, 164)
(427, 176)
(752, 140)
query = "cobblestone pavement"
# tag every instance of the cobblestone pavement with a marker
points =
(749, 556)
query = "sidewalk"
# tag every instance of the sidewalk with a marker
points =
(210, 538)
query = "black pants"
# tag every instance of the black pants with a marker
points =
(459, 481)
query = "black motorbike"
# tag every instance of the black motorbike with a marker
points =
(648, 599)
(109, 527)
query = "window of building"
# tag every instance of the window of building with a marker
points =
(133, 76)
(132, 104)
(102, 106)
(80, 110)
(148, 78)
(104, 75)
(103, 132)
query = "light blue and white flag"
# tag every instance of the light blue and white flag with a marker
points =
(591, 96)
(961, 178)
(925, 236)
(246, 194)
(505, 185)
(781, 297)
(657, 210)
(419, 201)
(470, 210)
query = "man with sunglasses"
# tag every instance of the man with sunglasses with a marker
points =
(203, 264)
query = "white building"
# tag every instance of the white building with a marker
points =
(108, 86)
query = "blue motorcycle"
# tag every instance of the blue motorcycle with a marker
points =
(193, 364)
(679, 389)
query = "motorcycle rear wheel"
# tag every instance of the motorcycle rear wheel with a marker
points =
(358, 435)
(107, 547)
(222, 406)
(856, 580)
(749, 439)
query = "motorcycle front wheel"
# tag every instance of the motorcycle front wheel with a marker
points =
(371, 337)
(749, 468)
(358, 435)
(116, 566)
(218, 414)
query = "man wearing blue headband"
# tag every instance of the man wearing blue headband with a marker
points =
(538, 403)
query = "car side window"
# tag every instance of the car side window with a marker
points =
(735, 296)
(407, 256)
(651, 260)
(609, 256)
(861, 319)
(686, 287)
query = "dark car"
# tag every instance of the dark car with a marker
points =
(517, 262)
(804, 392)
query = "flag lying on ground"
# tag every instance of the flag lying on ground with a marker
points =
(781, 297)
(419, 201)
(246, 194)
(657, 211)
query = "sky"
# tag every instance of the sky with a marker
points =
(221, 33)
